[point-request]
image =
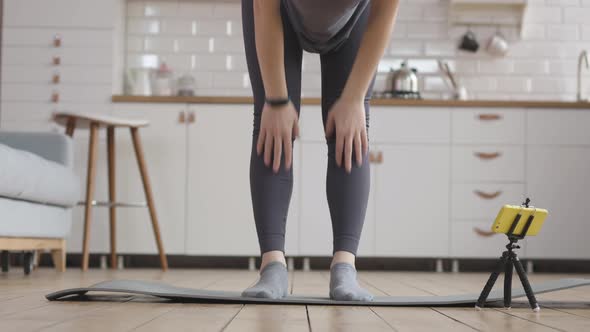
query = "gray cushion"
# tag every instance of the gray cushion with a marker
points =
(25, 219)
(27, 176)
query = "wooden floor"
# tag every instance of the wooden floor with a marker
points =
(23, 307)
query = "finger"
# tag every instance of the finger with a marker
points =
(339, 147)
(358, 149)
(364, 141)
(348, 152)
(278, 145)
(288, 143)
(260, 142)
(329, 125)
(267, 149)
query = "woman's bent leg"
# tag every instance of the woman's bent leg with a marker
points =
(270, 192)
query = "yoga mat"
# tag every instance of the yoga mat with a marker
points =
(179, 294)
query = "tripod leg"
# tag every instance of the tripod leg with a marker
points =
(527, 286)
(508, 265)
(491, 281)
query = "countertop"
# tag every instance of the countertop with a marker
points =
(376, 101)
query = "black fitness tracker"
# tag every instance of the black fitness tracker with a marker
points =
(277, 101)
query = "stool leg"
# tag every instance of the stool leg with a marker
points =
(112, 194)
(89, 192)
(148, 195)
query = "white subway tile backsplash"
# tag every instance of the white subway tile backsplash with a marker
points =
(204, 38)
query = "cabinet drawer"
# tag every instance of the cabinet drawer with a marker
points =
(483, 200)
(558, 127)
(72, 13)
(486, 164)
(44, 56)
(67, 93)
(489, 126)
(64, 74)
(44, 37)
(467, 243)
(409, 125)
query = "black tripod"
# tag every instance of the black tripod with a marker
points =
(509, 260)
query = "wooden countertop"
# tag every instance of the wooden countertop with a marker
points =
(377, 101)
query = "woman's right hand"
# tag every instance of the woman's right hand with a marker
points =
(278, 127)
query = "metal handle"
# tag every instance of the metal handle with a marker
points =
(57, 40)
(181, 117)
(487, 156)
(380, 157)
(482, 233)
(56, 60)
(191, 117)
(55, 79)
(55, 97)
(485, 195)
(490, 117)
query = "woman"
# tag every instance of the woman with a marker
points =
(350, 36)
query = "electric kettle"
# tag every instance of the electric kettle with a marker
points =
(139, 81)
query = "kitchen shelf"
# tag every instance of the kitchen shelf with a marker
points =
(500, 13)
(376, 102)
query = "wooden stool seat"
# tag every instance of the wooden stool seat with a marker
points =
(94, 121)
(83, 120)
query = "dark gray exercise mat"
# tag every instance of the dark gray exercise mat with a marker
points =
(202, 295)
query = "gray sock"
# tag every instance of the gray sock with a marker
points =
(344, 286)
(273, 282)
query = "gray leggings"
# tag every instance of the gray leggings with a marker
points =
(271, 193)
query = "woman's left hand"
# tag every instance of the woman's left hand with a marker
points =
(347, 120)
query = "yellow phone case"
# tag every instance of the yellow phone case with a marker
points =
(509, 212)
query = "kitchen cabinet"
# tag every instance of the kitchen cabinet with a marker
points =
(412, 201)
(164, 143)
(219, 212)
(558, 160)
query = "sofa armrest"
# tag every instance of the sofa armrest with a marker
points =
(49, 145)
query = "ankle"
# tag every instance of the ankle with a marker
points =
(343, 257)
(272, 256)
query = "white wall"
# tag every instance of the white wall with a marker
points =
(205, 37)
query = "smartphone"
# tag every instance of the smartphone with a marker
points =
(509, 212)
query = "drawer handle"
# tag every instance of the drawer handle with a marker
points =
(380, 157)
(181, 117)
(55, 97)
(485, 195)
(487, 156)
(191, 117)
(56, 60)
(483, 233)
(490, 117)
(55, 79)
(57, 40)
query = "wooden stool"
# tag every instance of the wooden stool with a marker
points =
(94, 122)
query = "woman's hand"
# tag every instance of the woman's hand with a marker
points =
(278, 126)
(347, 119)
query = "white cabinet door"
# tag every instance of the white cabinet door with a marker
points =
(412, 201)
(316, 226)
(558, 180)
(164, 145)
(220, 219)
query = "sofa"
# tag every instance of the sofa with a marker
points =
(38, 189)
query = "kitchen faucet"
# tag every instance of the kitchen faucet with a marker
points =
(583, 57)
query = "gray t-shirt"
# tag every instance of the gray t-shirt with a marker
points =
(322, 25)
